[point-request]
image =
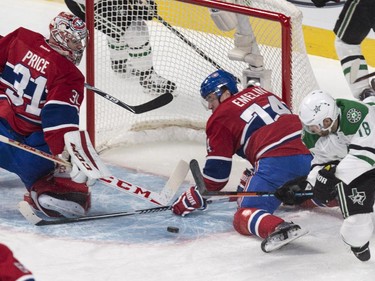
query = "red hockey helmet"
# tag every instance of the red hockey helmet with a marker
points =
(70, 36)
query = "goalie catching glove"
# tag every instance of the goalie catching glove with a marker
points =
(86, 165)
(188, 202)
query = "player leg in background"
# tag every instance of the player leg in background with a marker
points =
(11, 268)
(353, 25)
(128, 40)
(356, 204)
(136, 42)
(255, 214)
(246, 48)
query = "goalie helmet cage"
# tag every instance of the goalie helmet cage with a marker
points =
(186, 47)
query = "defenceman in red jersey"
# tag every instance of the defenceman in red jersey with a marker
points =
(41, 91)
(10, 268)
(256, 125)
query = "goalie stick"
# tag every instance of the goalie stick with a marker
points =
(34, 219)
(160, 101)
(161, 198)
(199, 181)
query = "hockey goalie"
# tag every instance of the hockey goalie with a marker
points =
(41, 93)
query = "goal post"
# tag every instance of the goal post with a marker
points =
(185, 47)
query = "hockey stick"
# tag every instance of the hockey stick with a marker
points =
(33, 218)
(161, 198)
(364, 77)
(199, 181)
(160, 101)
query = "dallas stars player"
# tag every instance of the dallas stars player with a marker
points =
(343, 131)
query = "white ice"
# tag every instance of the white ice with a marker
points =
(139, 247)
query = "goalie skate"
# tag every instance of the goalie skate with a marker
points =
(284, 234)
(153, 83)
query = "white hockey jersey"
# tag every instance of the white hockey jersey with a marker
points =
(353, 144)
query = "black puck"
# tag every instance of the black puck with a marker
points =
(173, 229)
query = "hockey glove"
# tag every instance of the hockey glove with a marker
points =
(287, 192)
(145, 9)
(322, 3)
(85, 163)
(188, 202)
(325, 187)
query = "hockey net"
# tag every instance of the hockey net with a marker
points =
(277, 25)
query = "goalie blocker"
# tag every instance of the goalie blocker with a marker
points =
(66, 191)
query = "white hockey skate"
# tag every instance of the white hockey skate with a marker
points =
(153, 83)
(284, 233)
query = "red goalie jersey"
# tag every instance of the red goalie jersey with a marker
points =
(248, 124)
(39, 88)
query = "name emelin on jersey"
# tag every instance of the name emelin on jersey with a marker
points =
(36, 62)
(246, 97)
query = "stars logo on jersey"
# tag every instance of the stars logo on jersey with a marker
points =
(357, 197)
(353, 115)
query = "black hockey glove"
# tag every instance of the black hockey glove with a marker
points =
(325, 188)
(322, 3)
(145, 9)
(287, 192)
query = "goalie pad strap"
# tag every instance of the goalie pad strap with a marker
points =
(85, 147)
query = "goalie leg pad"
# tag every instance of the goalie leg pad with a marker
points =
(224, 20)
(57, 197)
(246, 50)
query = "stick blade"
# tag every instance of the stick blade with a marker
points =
(28, 213)
(198, 177)
(174, 182)
(158, 102)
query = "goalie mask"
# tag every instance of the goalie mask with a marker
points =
(315, 107)
(215, 82)
(69, 36)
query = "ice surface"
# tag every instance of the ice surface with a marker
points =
(139, 247)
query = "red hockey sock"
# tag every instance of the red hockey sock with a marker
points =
(252, 221)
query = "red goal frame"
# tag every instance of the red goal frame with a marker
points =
(286, 49)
